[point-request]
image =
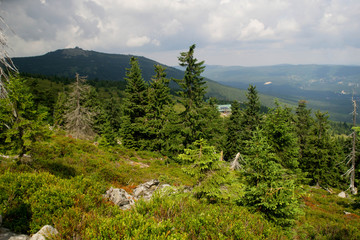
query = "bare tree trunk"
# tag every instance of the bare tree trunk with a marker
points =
(353, 153)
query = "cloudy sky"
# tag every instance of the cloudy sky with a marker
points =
(226, 32)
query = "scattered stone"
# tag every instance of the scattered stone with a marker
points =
(342, 195)
(125, 201)
(46, 232)
(146, 190)
(5, 234)
(20, 237)
(120, 197)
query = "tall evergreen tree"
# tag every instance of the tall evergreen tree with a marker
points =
(303, 123)
(320, 155)
(250, 118)
(21, 124)
(108, 121)
(281, 133)
(158, 110)
(133, 131)
(193, 84)
(269, 188)
(192, 94)
(233, 141)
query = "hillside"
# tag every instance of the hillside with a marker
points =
(103, 66)
(325, 87)
(64, 182)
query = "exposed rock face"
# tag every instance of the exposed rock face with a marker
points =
(342, 195)
(46, 232)
(125, 201)
(120, 197)
(146, 190)
(5, 234)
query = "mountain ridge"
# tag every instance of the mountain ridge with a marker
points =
(289, 83)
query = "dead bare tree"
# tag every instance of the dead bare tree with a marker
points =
(235, 165)
(353, 152)
(6, 64)
(79, 118)
(352, 156)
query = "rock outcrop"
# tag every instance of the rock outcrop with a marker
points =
(46, 232)
(120, 198)
(342, 195)
(5, 234)
(125, 201)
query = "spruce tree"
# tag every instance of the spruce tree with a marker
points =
(320, 155)
(21, 124)
(233, 141)
(251, 117)
(192, 97)
(158, 110)
(211, 174)
(108, 121)
(303, 123)
(281, 133)
(269, 188)
(193, 84)
(133, 131)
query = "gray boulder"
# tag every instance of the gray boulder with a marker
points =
(120, 198)
(146, 190)
(46, 232)
(342, 195)
(5, 234)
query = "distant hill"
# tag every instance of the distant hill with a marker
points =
(104, 66)
(94, 65)
(325, 87)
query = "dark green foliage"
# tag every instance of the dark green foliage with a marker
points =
(251, 116)
(252, 110)
(135, 104)
(242, 124)
(211, 174)
(199, 119)
(280, 130)
(320, 155)
(303, 123)
(159, 108)
(108, 121)
(192, 85)
(233, 141)
(20, 122)
(269, 188)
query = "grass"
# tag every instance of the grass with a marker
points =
(64, 183)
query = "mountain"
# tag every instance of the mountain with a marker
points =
(325, 87)
(104, 66)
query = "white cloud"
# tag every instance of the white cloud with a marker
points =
(137, 41)
(172, 27)
(255, 30)
(260, 27)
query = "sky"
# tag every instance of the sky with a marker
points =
(226, 32)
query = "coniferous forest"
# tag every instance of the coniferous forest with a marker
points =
(257, 173)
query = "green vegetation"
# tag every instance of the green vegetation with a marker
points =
(51, 173)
